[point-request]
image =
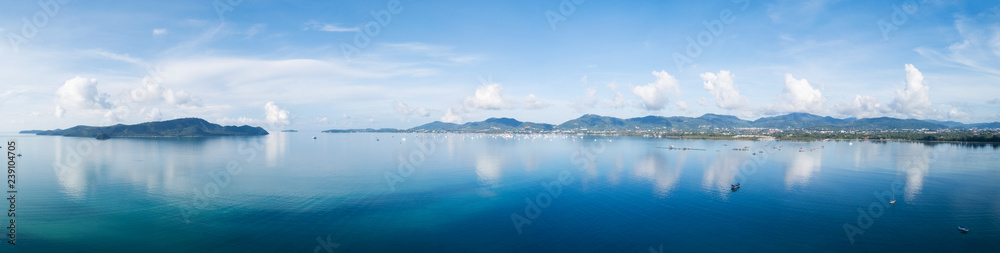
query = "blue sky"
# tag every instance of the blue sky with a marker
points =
(283, 64)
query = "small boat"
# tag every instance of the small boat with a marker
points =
(963, 229)
(734, 187)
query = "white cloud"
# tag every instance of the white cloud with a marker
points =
(802, 97)
(591, 99)
(241, 121)
(913, 100)
(152, 115)
(993, 101)
(100, 53)
(159, 31)
(978, 48)
(682, 105)
(702, 101)
(862, 107)
(317, 26)
(454, 115)
(721, 86)
(181, 98)
(956, 113)
(406, 110)
(656, 95)
(618, 101)
(583, 80)
(488, 97)
(254, 30)
(276, 116)
(152, 92)
(322, 119)
(532, 102)
(82, 94)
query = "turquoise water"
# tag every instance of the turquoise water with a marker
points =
(458, 193)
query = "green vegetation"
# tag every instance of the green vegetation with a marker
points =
(186, 127)
(794, 126)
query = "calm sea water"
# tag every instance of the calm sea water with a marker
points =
(286, 192)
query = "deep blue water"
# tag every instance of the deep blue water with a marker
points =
(458, 193)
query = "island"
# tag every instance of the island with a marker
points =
(290, 131)
(184, 127)
(30, 131)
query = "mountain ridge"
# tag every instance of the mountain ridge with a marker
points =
(183, 127)
(708, 121)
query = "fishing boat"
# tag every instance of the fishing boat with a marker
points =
(734, 187)
(963, 229)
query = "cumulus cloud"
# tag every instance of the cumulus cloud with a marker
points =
(81, 94)
(488, 97)
(181, 98)
(913, 100)
(152, 114)
(702, 101)
(591, 99)
(721, 86)
(802, 97)
(956, 113)
(276, 116)
(532, 102)
(454, 115)
(682, 105)
(241, 121)
(862, 107)
(655, 95)
(152, 92)
(159, 31)
(406, 110)
(618, 101)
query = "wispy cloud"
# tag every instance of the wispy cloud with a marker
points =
(317, 26)
(978, 48)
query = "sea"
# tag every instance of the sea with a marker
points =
(423, 192)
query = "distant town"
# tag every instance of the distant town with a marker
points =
(795, 126)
